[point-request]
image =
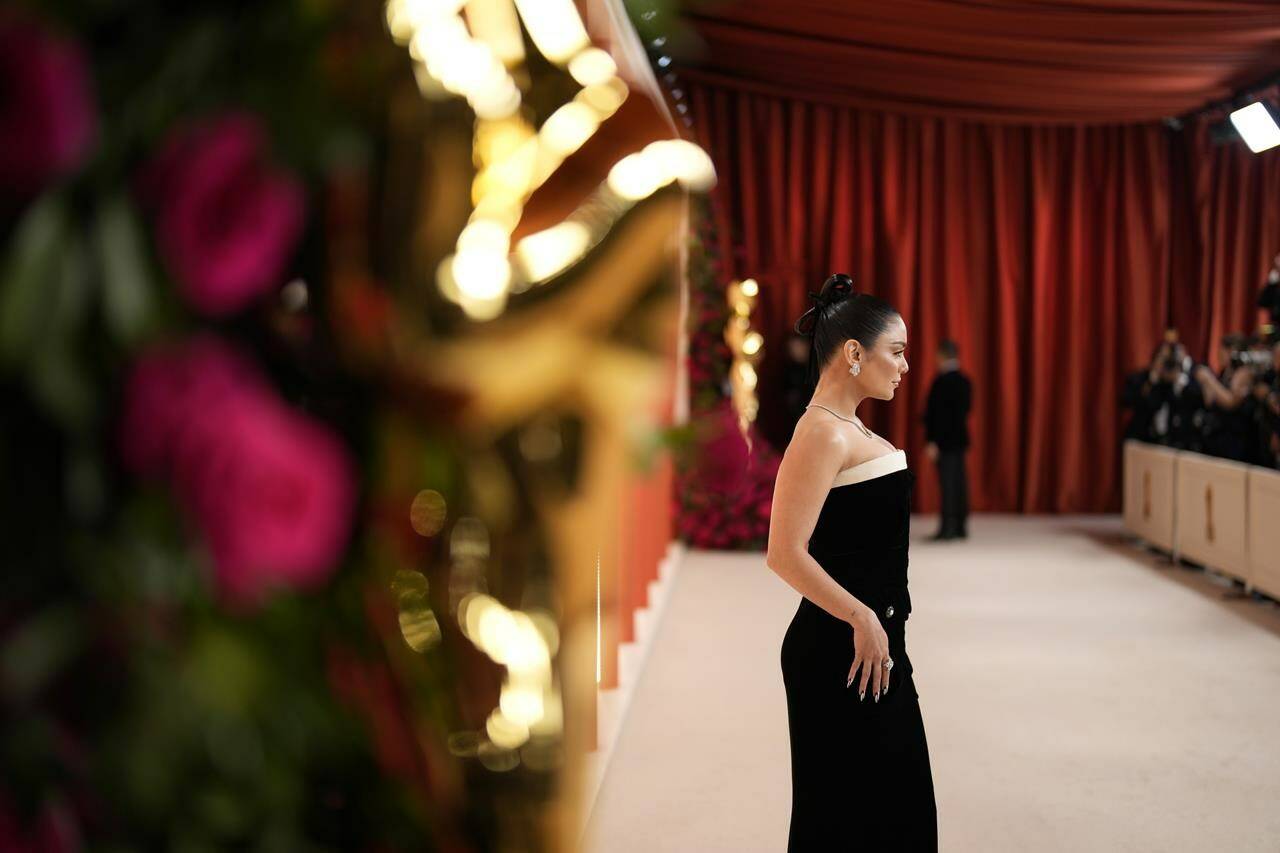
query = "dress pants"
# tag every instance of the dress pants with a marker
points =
(955, 492)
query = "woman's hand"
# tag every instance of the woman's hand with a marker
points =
(870, 651)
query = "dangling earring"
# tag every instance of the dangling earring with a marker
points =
(856, 368)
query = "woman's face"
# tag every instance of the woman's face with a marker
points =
(884, 364)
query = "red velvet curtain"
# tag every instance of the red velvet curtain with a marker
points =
(1015, 61)
(1228, 226)
(1054, 256)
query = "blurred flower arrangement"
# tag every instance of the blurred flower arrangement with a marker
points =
(236, 497)
(725, 482)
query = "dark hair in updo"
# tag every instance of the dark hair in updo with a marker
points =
(841, 314)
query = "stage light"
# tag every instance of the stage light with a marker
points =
(1256, 127)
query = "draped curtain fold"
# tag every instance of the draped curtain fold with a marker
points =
(1016, 61)
(1053, 255)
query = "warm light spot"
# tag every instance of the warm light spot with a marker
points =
(552, 721)
(504, 731)
(549, 252)
(683, 161)
(495, 23)
(481, 274)
(427, 512)
(496, 632)
(469, 540)
(605, 97)
(554, 26)
(568, 127)
(484, 235)
(634, 177)
(419, 628)
(521, 704)
(592, 66)
(547, 627)
(481, 310)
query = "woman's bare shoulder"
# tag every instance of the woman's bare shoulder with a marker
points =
(818, 438)
(828, 438)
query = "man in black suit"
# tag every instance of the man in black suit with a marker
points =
(947, 431)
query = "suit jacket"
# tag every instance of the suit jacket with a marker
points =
(946, 413)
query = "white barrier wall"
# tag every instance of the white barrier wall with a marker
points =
(1264, 530)
(1149, 498)
(1212, 513)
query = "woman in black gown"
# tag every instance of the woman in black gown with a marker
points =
(860, 774)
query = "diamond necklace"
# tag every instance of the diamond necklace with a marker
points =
(853, 421)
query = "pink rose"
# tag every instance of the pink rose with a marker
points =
(271, 491)
(47, 120)
(227, 221)
(173, 386)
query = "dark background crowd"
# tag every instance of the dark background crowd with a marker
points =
(1233, 412)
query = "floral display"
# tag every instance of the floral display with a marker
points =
(270, 490)
(226, 221)
(725, 487)
(48, 119)
(249, 599)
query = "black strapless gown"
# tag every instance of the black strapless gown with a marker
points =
(860, 774)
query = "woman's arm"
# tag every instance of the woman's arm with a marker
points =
(808, 468)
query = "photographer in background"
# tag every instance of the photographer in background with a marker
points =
(1153, 392)
(1266, 390)
(1167, 400)
(1230, 402)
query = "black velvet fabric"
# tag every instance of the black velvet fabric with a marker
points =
(860, 773)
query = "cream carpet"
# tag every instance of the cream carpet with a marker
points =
(1079, 694)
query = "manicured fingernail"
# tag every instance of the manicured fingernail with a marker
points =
(862, 695)
(877, 697)
(849, 683)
